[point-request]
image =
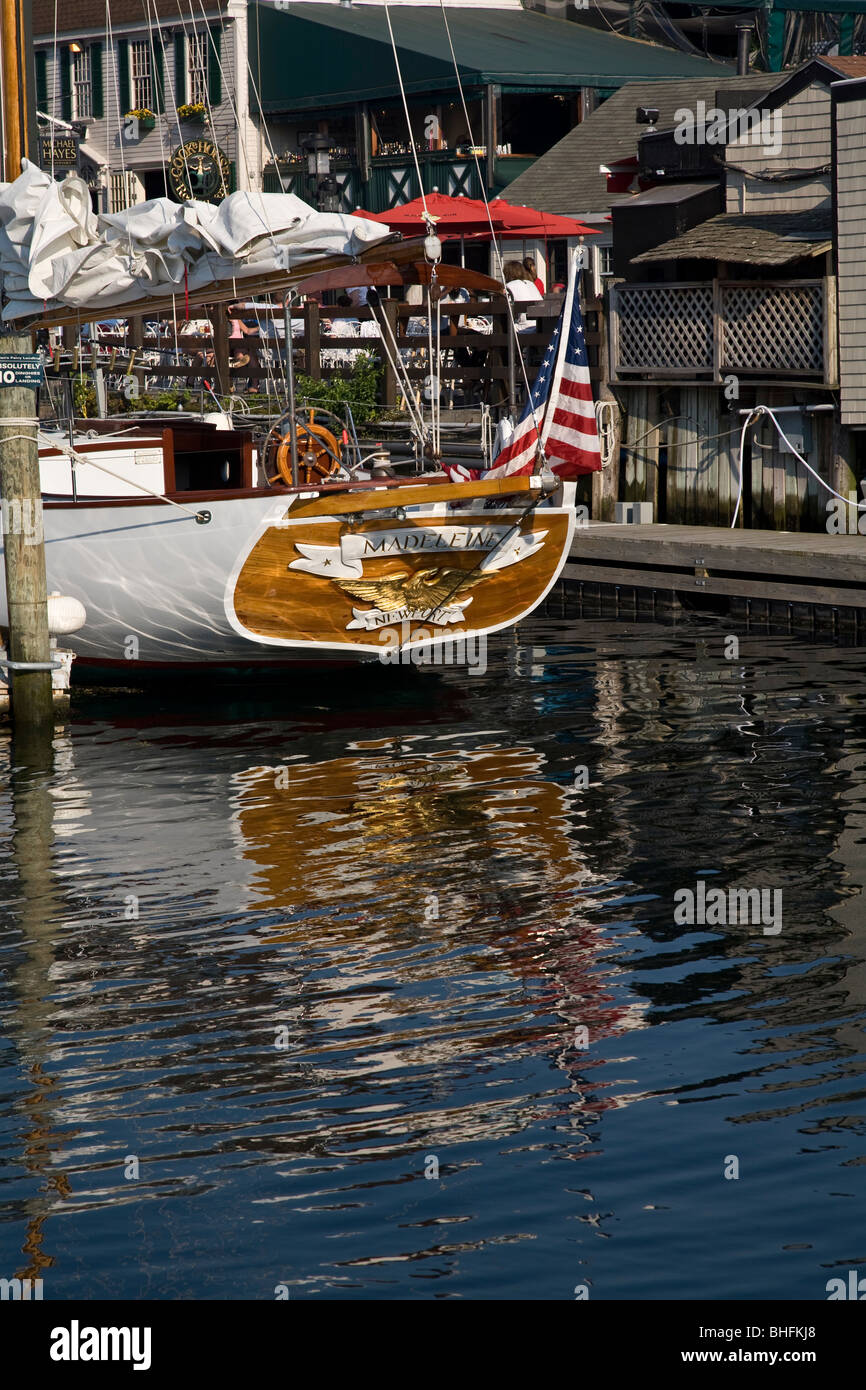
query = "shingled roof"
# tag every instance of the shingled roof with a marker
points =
(567, 180)
(770, 238)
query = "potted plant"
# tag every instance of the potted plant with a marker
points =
(146, 119)
(194, 111)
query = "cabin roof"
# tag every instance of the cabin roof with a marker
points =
(346, 53)
(567, 178)
(770, 238)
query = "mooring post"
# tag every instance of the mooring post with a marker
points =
(20, 492)
(23, 546)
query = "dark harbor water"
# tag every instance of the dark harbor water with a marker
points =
(360, 991)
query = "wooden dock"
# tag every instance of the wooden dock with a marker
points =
(762, 574)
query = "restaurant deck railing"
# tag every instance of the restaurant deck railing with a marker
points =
(479, 363)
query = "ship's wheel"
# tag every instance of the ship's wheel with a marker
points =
(319, 451)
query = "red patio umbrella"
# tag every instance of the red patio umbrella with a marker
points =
(512, 221)
(458, 216)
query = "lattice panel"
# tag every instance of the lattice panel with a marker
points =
(459, 179)
(773, 328)
(665, 327)
(399, 181)
(348, 193)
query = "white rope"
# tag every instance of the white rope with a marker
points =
(750, 419)
(168, 73)
(109, 36)
(427, 217)
(496, 249)
(400, 372)
(54, 73)
(605, 426)
(242, 146)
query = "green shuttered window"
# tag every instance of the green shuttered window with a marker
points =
(214, 75)
(98, 87)
(123, 75)
(65, 58)
(42, 80)
(179, 70)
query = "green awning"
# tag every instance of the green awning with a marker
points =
(810, 6)
(306, 57)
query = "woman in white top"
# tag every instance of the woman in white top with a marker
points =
(519, 285)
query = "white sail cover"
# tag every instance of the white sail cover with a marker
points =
(55, 252)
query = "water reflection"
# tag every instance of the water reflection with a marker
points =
(287, 960)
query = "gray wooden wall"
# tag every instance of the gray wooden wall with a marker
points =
(804, 129)
(689, 470)
(851, 217)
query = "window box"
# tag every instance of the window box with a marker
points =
(193, 113)
(146, 120)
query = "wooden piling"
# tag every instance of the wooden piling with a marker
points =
(23, 547)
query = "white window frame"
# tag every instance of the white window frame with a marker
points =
(197, 60)
(81, 78)
(141, 75)
(125, 189)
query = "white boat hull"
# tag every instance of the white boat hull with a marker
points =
(164, 593)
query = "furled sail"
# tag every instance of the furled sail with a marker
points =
(56, 253)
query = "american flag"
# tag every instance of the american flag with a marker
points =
(560, 409)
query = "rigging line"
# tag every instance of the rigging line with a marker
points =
(400, 372)
(169, 76)
(54, 93)
(210, 48)
(156, 92)
(432, 364)
(264, 126)
(241, 141)
(110, 48)
(497, 252)
(264, 354)
(406, 111)
(403, 377)
(75, 458)
(264, 123)
(466, 576)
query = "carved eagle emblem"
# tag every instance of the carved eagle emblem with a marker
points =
(425, 590)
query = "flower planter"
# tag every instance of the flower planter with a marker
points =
(146, 124)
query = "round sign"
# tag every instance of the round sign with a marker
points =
(199, 169)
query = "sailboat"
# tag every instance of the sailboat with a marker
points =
(197, 554)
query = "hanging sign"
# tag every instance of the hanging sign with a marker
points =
(21, 369)
(199, 169)
(58, 151)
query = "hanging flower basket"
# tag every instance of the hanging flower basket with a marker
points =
(146, 119)
(194, 112)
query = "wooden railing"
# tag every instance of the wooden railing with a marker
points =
(704, 329)
(480, 366)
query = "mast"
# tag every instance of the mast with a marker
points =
(29, 648)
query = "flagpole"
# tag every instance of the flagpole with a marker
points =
(567, 310)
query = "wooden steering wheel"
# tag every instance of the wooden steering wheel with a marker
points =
(319, 454)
